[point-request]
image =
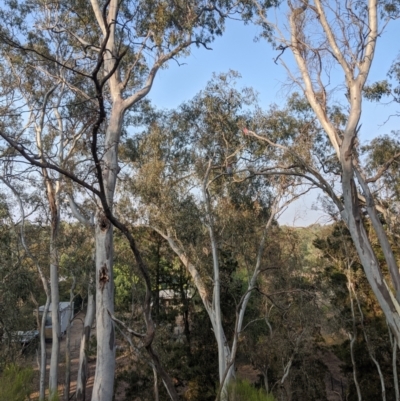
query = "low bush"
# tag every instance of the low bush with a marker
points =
(242, 390)
(15, 383)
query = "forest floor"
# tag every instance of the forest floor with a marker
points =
(335, 382)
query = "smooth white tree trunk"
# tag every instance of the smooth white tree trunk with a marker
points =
(83, 373)
(103, 387)
(353, 336)
(53, 194)
(68, 342)
(344, 142)
(43, 354)
(56, 337)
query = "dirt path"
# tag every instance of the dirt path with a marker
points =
(76, 333)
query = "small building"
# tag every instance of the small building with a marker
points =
(66, 314)
(170, 297)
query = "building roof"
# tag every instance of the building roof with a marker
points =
(62, 306)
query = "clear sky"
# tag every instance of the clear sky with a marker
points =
(237, 50)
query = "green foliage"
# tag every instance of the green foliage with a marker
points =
(379, 151)
(17, 283)
(124, 282)
(15, 383)
(377, 90)
(242, 390)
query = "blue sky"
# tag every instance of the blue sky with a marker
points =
(237, 50)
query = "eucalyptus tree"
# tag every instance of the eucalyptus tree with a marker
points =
(194, 175)
(17, 284)
(111, 53)
(344, 36)
(56, 134)
(31, 252)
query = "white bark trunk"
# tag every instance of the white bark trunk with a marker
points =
(83, 373)
(68, 343)
(55, 297)
(155, 385)
(356, 75)
(103, 387)
(351, 216)
(105, 364)
(353, 336)
(43, 361)
(55, 321)
(224, 352)
(104, 378)
(353, 363)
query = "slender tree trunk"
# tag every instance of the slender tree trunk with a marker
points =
(156, 397)
(352, 337)
(395, 376)
(83, 373)
(393, 344)
(224, 352)
(245, 299)
(55, 298)
(68, 343)
(185, 314)
(369, 348)
(157, 294)
(265, 374)
(43, 359)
